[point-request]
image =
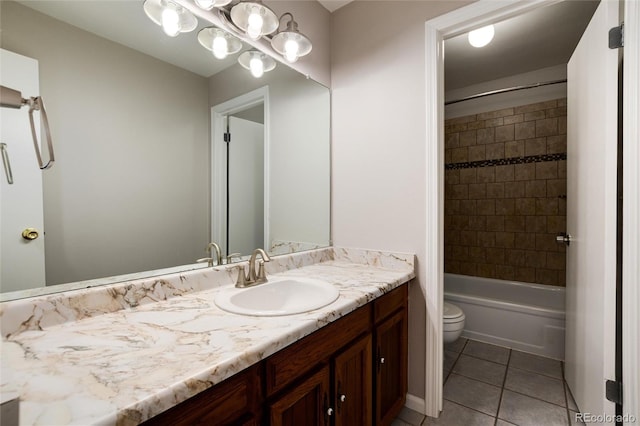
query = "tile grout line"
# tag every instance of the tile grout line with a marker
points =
(504, 381)
(564, 388)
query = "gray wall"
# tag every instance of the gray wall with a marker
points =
(378, 141)
(129, 190)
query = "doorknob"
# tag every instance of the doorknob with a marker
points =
(30, 234)
(563, 238)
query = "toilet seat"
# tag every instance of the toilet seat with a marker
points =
(452, 313)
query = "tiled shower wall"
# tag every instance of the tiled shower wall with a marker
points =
(505, 193)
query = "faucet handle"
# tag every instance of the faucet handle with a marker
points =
(262, 276)
(209, 261)
(231, 256)
(242, 277)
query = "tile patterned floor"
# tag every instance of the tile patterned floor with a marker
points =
(495, 386)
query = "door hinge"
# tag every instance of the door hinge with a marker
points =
(227, 137)
(614, 391)
(616, 37)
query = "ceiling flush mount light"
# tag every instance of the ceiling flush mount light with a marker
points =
(210, 4)
(173, 18)
(291, 43)
(219, 42)
(254, 18)
(256, 62)
(482, 36)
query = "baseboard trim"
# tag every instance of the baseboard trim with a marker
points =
(416, 404)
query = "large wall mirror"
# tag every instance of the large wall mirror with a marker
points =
(141, 181)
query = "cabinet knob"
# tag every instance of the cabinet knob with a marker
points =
(329, 411)
(343, 398)
(30, 234)
(382, 360)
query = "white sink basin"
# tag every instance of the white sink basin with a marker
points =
(280, 296)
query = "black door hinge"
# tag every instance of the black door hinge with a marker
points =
(227, 137)
(616, 37)
(614, 391)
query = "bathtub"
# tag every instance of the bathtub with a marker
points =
(523, 316)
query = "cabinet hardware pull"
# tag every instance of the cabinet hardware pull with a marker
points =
(329, 411)
(343, 398)
(382, 360)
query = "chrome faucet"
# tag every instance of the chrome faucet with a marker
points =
(253, 278)
(210, 259)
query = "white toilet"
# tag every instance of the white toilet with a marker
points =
(453, 322)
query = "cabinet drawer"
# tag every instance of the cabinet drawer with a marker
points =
(222, 404)
(290, 363)
(390, 302)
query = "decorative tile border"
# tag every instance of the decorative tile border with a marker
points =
(506, 161)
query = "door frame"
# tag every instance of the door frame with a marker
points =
(219, 164)
(459, 21)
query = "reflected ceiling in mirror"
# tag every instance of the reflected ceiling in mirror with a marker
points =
(130, 113)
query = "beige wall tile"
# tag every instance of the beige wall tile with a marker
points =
(505, 133)
(468, 268)
(535, 146)
(516, 257)
(535, 188)
(474, 125)
(486, 270)
(546, 127)
(468, 207)
(459, 253)
(485, 136)
(494, 122)
(534, 115)
(467, 138)
(459, 155)
(536, 224)
(525, 171)
(487, 174)
(478, 223)
(547, 170)
(505, 173)
(557, 144)
(547, 206)
(560, 111)
(486, 207)
(452, 140)
(562, 102)
(495, 190)
(495, 151)
(477, 254)
(477, 153)
(556, 187)
(469, 238)
(536, 259)
(455, 128)
(525, 241)
(477, 191)
(505, 206)
(536, 107)
(514, 149)
(562, 169)
(525, 130)
(458, 192)
(514, 189)
(451, 177)
(495, 223)
(525, 206)
(526, 275)
(514, 119)
(515, 224)
(505, 272)
(495, 114)
(447, 156)
(460, 120)
(547, 276)
(486, 239)
(451, 207)
(468, 175)
(495, 255)
(505, 239)
(562, 125)
(556, 224)
(546, 242)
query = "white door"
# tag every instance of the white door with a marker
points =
(591, 213)
(21, 260)
(246, 186)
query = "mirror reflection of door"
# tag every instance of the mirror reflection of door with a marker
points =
(245, 180)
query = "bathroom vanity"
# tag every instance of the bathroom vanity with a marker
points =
(162, 352)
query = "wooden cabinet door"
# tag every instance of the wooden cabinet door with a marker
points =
(306, 404)
(391, 367)
(353, 385)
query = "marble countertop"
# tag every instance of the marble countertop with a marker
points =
(123, 366)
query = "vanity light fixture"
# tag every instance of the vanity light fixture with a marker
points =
(210, 4)
(256, 62)
(173, 18)
(482, 36)
(291, 43)
(219, 42)
(254, 18)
